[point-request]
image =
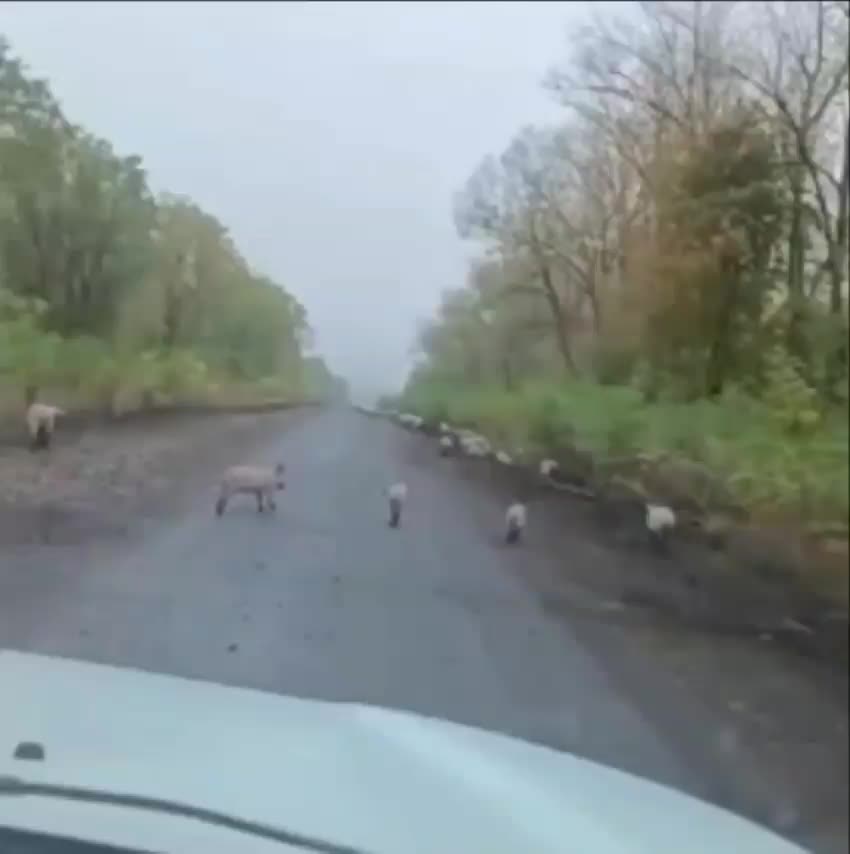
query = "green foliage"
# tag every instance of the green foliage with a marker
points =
(180, 374)
(548, 424)
(109, 293)
(677, 250)
(740, 438)
(320, 383)
(699, 378)
(615, 364)
(27, 354)
(792, 402)
(80, 359)
(720, 222)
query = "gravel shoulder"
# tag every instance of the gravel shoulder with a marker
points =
(101, 485)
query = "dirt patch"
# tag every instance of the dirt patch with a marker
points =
(102, 478)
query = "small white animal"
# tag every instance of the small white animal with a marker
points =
(548, 467)
(397, 495)
(660, 521)
(41, 418)
(504, 458)
(474, 445)
(259, 481)
(515, 521)
(446, 445)
(444, 428)
(409, 420)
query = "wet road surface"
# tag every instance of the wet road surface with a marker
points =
(323, 600)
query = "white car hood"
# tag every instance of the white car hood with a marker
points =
(378, 780)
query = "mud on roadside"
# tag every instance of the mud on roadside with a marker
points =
(101, 479)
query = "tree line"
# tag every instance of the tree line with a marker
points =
(683, 231)
(105, 286)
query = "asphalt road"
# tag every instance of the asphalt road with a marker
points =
(322, 599)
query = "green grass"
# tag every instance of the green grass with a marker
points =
(129, 395)
(770, 471)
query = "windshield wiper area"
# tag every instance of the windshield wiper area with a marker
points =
(15, 786)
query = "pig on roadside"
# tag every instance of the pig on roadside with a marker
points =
(397, 495)
(41, 421)
(515, 522)
(260, 481)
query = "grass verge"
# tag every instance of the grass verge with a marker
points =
(732, 451)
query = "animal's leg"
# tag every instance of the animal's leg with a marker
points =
(270, 500)
(659, 542)
(41, 440)
(395, 512)
(220, 504)
(260, 506)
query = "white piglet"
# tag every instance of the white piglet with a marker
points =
(41, 420)
(397, 495)
(260, 481)
(516, 519)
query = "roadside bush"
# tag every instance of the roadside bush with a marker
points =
(614, 365)
(178, 375)
(549, 426)
(792, 401)
(29, 357)
(80, 359)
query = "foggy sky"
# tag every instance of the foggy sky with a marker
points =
(328, 137)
